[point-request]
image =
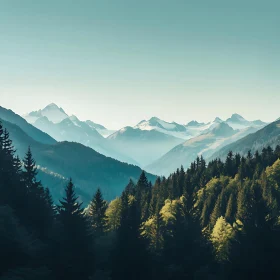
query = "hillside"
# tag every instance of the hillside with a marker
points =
(87, 168)
(267, 136)
(62, 127)
(32, 131)
(143, 145)
(205, 144)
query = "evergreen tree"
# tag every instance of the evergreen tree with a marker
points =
(217, 211)
(29, 174)
(97, 213)
(74, 255)
(143, 196)
(40, 212)
(229, 167)
(230, 211)
(130, 188)
(130, 258)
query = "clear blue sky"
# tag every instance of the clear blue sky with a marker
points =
(120, 61)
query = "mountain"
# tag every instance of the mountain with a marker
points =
(100, 128)
(269, 135)
(194, 123)
(143, 145)
(56, 115)
(88, 169)
(173, 129)
(195, 128)
(32, 131)
(70, 128)
(238, 122)
(52, 112)
(205, 144)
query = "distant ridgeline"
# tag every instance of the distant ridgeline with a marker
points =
(215, 221)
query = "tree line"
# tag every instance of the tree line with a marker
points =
(212, 221)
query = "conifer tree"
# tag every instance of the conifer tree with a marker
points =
(18, 166)
(130, 258)
(12, 191)
(7, 143)
(29, 174)
(97, 213)
(74, 255)
(229, 168)
(143, 196)
(130, 188)
(113, 214)
(230, 211)
(217, 211)
(1, 136)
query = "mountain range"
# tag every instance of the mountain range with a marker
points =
(267, 136)
(205, 144)
(58, 161)
(151, 143)
(65, 146)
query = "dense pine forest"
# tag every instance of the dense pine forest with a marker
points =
(216, 220)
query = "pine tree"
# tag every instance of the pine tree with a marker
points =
(130, 188)
(130, 258)
(7, 144)
(74, 256)
(143, 196)
(229, 168)
(12, 191)
(18, 166)
(97, 213)
(50, 207)
(230, 211)
(217, 211)
(40, 213)
(29, 174)
(1, 136)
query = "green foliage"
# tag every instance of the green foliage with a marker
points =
(212, 221)
(97, 213)
(221, 237)
(113, 214)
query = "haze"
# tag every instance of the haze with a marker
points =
(118, 62)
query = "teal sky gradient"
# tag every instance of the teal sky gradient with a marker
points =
(120, 61)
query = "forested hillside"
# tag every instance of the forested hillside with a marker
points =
(267, 136)
(87, 167)
(214, 221)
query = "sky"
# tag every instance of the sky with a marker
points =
(117, 62)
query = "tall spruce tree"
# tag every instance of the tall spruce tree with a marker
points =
(74, 254)
(29, 174)
(130, 258)
(40, 213)
(97, 213)
(143, 196)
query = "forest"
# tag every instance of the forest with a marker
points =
(215, 220)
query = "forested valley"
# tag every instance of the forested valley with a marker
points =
(215, 220)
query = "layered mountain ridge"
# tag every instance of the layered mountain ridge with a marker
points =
(150, 143)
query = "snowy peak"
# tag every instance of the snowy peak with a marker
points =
(52, 112)
(236, 121)
(169, 128)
